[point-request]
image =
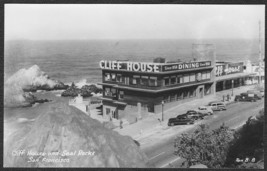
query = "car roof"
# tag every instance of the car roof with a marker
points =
(215, 102)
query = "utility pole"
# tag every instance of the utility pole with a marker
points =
(162, 105)
(260, 59)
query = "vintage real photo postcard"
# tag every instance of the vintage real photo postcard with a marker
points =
(134, 86)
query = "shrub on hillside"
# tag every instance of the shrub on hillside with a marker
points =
(208, 147)
(248, 142)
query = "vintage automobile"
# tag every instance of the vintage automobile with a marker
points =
(257, 93)
(205, 110)
(217, 105)
(245, 97)
(194, 114)
(180, 120)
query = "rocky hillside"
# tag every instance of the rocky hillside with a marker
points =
(62, 136)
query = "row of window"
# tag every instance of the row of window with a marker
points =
(112, 92)
(186, 78)
(134, 80)
(153, 81)
(180, 95)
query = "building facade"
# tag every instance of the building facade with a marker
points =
(139, 87)
(231, 75)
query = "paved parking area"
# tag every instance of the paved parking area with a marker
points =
(151, 125)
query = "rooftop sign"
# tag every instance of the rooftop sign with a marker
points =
(150, 67)
(182, 66)
(229, 68)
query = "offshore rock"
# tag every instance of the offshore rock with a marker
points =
(15, 97)
(75, 139)
(33, 79)
(85, 91)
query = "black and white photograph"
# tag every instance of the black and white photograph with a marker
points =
(134, 86)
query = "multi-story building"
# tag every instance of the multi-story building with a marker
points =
(144, 87)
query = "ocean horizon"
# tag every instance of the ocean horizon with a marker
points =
(75, 60)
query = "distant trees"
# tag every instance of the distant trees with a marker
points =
(208, 147)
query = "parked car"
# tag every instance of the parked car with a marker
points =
(217, 105)
(205, 110)
(262, 92)
(256, 93)
(251, 95)
(194, 114)
(245, 97)
(180, 120)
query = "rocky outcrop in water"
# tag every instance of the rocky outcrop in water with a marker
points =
(15, 97)
(33, 79)
(18, 87)
(85, 91)
(62, 136)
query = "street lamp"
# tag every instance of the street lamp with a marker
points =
(232, 87)
(162, 104)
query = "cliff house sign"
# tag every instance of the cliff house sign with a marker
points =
(150, 67)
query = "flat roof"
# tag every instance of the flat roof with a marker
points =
(160, 73)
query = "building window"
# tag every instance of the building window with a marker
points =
(153, 81)
(107, 92)
(136, 79)
(113, 77)
(121, 94)
(107, 111)
(144, 80)
(192, 93)
(107, 76)
(173, 80)
(123, 80)
(119, 78)
(186, 78)
(166, 98)
(127, 80)
(204, 76)
(192, 77)
(179, 79)
(133, 81)
(208, 75)
(167, 81)
(173, 97)
(180, 95)
(113, 91)
(198, 76)
(185, 94)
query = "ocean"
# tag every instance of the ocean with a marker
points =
(75, 60)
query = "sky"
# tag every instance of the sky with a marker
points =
(127, 21)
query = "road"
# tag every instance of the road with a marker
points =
(236, 115)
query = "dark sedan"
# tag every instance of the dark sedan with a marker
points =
(194, 114)
(180, 120)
